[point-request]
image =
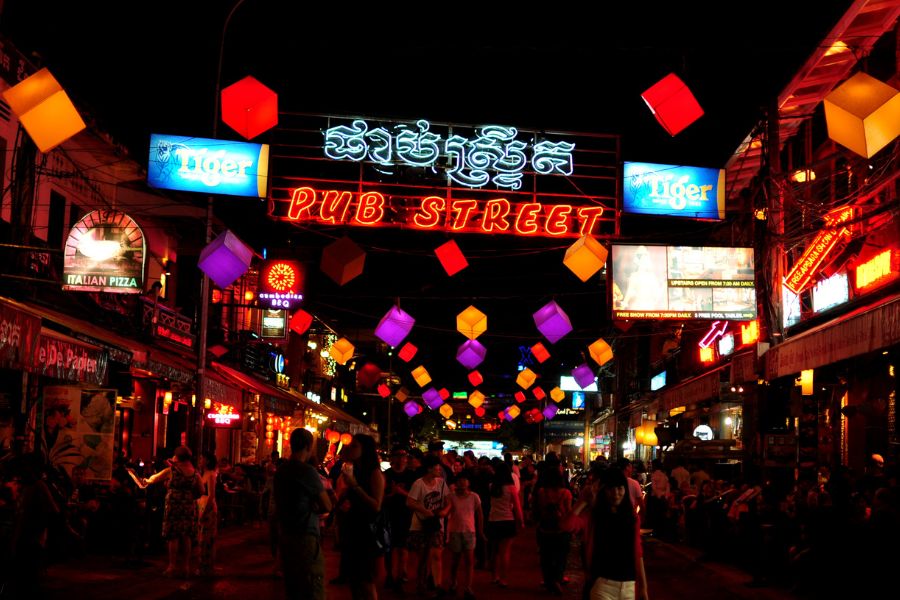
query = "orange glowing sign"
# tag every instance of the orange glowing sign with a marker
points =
(804, 270)
(878, 270)
(463, 215)
(707, 354)
(750, 332)
(281, 284)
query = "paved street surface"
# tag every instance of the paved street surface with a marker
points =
(246, 572)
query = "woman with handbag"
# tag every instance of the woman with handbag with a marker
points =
(363, 487)
(180, 516)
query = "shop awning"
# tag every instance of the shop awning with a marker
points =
(862, 331)
(700, 388)
(63, 357)
(266, 391)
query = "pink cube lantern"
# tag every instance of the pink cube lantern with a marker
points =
(301, 322)
(552, 322)
(471, 354)
(412, 408)
(407, 352)
(451, 258)
(394, 326)
(672, 103)
(584, 375)
(249, 107)
(475, 378)
(550, 411)
(432, 398)
(225, 259)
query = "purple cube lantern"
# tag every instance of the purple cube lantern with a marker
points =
(394, 326)
(471, 354)
(432, 398)
(225, 259)
(584, 375)
(412, 408)
(552, 322)
(550, 411)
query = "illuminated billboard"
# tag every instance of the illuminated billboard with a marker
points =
(673, 191)
(193, 164)
(658, 381)
(683, 282)
(105, 253)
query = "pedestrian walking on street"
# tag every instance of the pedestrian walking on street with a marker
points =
(430, 502)
(504, 519)
(614, 558)
(300, 498)
(466, 524)
(398, 482)
(209, 513)
(553, 507)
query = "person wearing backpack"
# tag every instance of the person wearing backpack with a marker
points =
(553, 508)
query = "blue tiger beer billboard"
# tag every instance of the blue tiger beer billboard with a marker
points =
(673, 191)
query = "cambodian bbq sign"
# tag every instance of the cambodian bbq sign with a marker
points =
(429, 176)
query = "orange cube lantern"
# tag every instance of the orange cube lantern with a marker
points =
(863, 114)
(557, 395)
(44, 110)
(672, 103)
(526, 378)
(513, 411)
(476, 399)
(471, 322)
(585, 257)
(341, 351)
(249, 107)
(446, 411)
(600, 352)
(420, 374)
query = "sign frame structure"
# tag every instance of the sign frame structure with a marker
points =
(544, 198)
(673, 191)
(113, 263)
(208, 166)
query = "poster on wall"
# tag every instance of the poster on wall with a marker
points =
(105, 253)
(78, 426)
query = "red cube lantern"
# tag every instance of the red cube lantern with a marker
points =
(672, 103)
(444, 393)
(451, 258)
(475, 378)
(300, 322)
(384, 391)
(407, 352)
(249, 107)
(343, 260)
(538, 393)
(539, 352)
(368, 375)
(479, 411)
(519, 396)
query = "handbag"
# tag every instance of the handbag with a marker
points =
(381, 531)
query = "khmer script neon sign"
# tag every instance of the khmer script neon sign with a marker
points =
(495, 155)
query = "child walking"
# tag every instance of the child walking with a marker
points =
(465, 526)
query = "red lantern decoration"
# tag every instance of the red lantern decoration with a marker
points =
(407, 352)
(346, 438)
(475, 378)
(672, 103)
(451, 257)
(479, 411)
(301, 322)
(332, 436)
(249, 107)
(384, 391)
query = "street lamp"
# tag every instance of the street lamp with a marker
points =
(204, 286)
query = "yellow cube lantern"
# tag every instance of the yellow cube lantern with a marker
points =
(476, 399)
(601, 352)
(420, 374)
(471, 322)
(44, 109)
(446, 411)
(513, 412)
(526, 378)
(341, 351)
(863, 114)
(557, 395)
(585, 257)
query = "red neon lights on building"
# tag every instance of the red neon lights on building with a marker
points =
(497, 215)
(750, 332)
(715, 332)
(878, 270)
(707, 354)
(804, 270)
(281, 277)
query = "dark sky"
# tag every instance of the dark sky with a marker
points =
(150, 67)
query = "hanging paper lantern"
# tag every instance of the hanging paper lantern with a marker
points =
(407, 352)
(550, 411)
(539, 352)
(341, 351)
(346, 438)
(806, 382)
(444, 392)
(451, 258)
(534, 416)
(639, 434)
(557, 395)
(650, 438)
(394, 326)
(512, 412)
(383, 390)
(584, 375)
(411, 408)
(402, 394)
(368, 375)
(432, 398)
(519, 396)
(539, 393)
(672, 103)
(600, 352)
(471, 322)
(342, 260)
(863, 114)
(44, 110)
(585, 257)
(300, 322)
(476, 399)
(225, 259)
(552, 322)
(249, 107)
(333, 436)
(446, 411)
(526, 378)
(479, 411)
(475, 378)
(502, 414)
(471, 354)
(420, 374)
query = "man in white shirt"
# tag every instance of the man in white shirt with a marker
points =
(634, 487)
(429, 498)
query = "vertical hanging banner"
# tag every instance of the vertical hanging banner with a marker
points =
(105, 252)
